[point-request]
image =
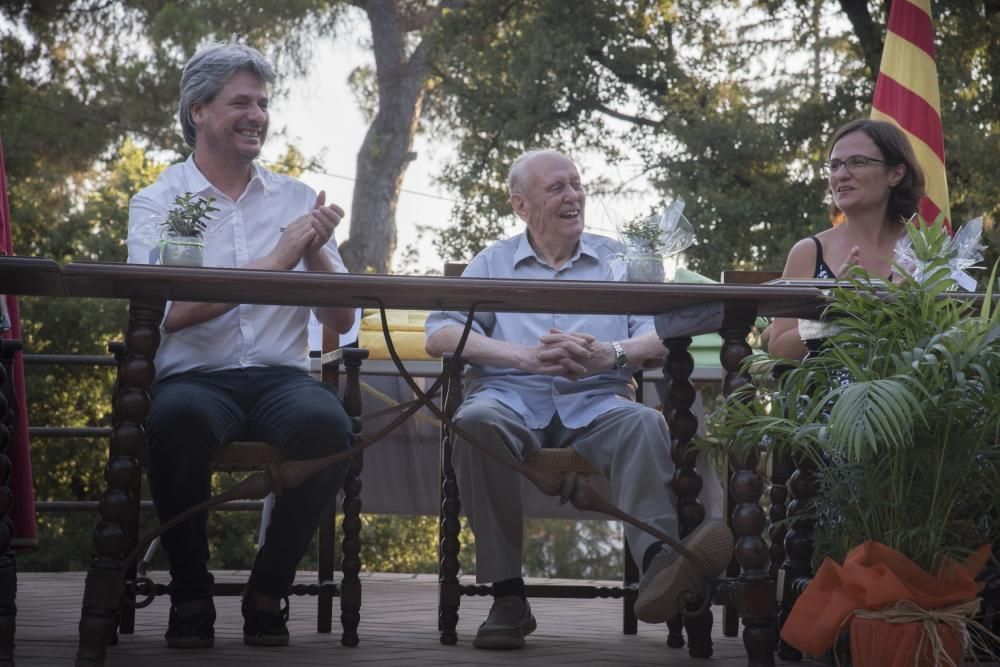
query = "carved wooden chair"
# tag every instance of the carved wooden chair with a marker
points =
(252, 456)
(450, 588)
(560, 460)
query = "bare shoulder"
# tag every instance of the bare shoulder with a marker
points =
(801, 260)
(831, 233)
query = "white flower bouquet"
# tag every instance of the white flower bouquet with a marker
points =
(963, 251)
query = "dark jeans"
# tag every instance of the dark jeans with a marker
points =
(192, 415)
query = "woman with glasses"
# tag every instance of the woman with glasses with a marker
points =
(875, 185)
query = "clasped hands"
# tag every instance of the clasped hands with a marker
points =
(307, 234)
(571, 355)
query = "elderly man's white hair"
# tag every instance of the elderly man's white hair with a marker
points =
(517, 177)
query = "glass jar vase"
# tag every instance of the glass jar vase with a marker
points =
(182, 251)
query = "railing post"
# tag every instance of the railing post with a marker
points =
(755, 587)
(687, 482)
(8, 569)
(350, 586)
(105, 576)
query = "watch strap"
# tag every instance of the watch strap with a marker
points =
(621, 361)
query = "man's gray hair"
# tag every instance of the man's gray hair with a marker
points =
(517, 177)
(209, 70)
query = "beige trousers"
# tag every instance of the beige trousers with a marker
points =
(629, 445)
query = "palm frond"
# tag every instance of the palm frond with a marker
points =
(873, 416)
(900, 412)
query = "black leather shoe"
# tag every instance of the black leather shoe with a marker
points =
(264, 628)
(191, 624)
(509, 622)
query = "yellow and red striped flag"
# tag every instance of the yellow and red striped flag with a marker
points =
(906, 94)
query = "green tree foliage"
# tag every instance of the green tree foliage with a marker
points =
(558, 548)
(969, 75)
(726, 103)
(71, 469)
(87, 91)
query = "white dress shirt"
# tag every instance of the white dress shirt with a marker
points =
(240, 231)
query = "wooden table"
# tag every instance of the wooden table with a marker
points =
(148, 288)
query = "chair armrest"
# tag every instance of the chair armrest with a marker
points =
(351, 358)
(117, 349)
(448, 356)
(451, 390)
(348, 356)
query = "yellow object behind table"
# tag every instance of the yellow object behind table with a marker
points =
(406, 328)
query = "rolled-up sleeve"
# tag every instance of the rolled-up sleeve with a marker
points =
(145, 215)
(639, 325)
(330, 248)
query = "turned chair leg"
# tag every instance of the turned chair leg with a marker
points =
(449, 591)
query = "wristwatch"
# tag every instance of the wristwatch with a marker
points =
(621, 361)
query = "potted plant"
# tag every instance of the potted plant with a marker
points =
(182, 243)
(899, 412)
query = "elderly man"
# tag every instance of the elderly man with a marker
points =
(563, 381)
(233, 371)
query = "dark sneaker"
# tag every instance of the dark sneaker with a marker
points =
(509, 622)
(671, 581)
(191, 625)
(264, 628)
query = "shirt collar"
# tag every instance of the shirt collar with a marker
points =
(258, 176)
(525, 251)
(196, 182)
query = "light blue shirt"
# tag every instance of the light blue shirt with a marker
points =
(539, 397)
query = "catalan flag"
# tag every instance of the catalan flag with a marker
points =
(906, 94)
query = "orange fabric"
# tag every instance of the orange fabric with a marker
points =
(873, 576)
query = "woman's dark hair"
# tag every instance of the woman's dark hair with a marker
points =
(896, 149)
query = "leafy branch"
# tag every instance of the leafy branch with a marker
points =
(189, 216)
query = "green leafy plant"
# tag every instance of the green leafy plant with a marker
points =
(899, 410)
(643, 234)
(189, 216)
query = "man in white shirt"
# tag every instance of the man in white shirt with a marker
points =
(565, 380)
(230, 372)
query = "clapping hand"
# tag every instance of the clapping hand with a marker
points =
(852, 260)
(323, 219)
(307, 234)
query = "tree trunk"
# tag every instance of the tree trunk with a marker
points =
(866, 31)
(992, 9)
(386, 151)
